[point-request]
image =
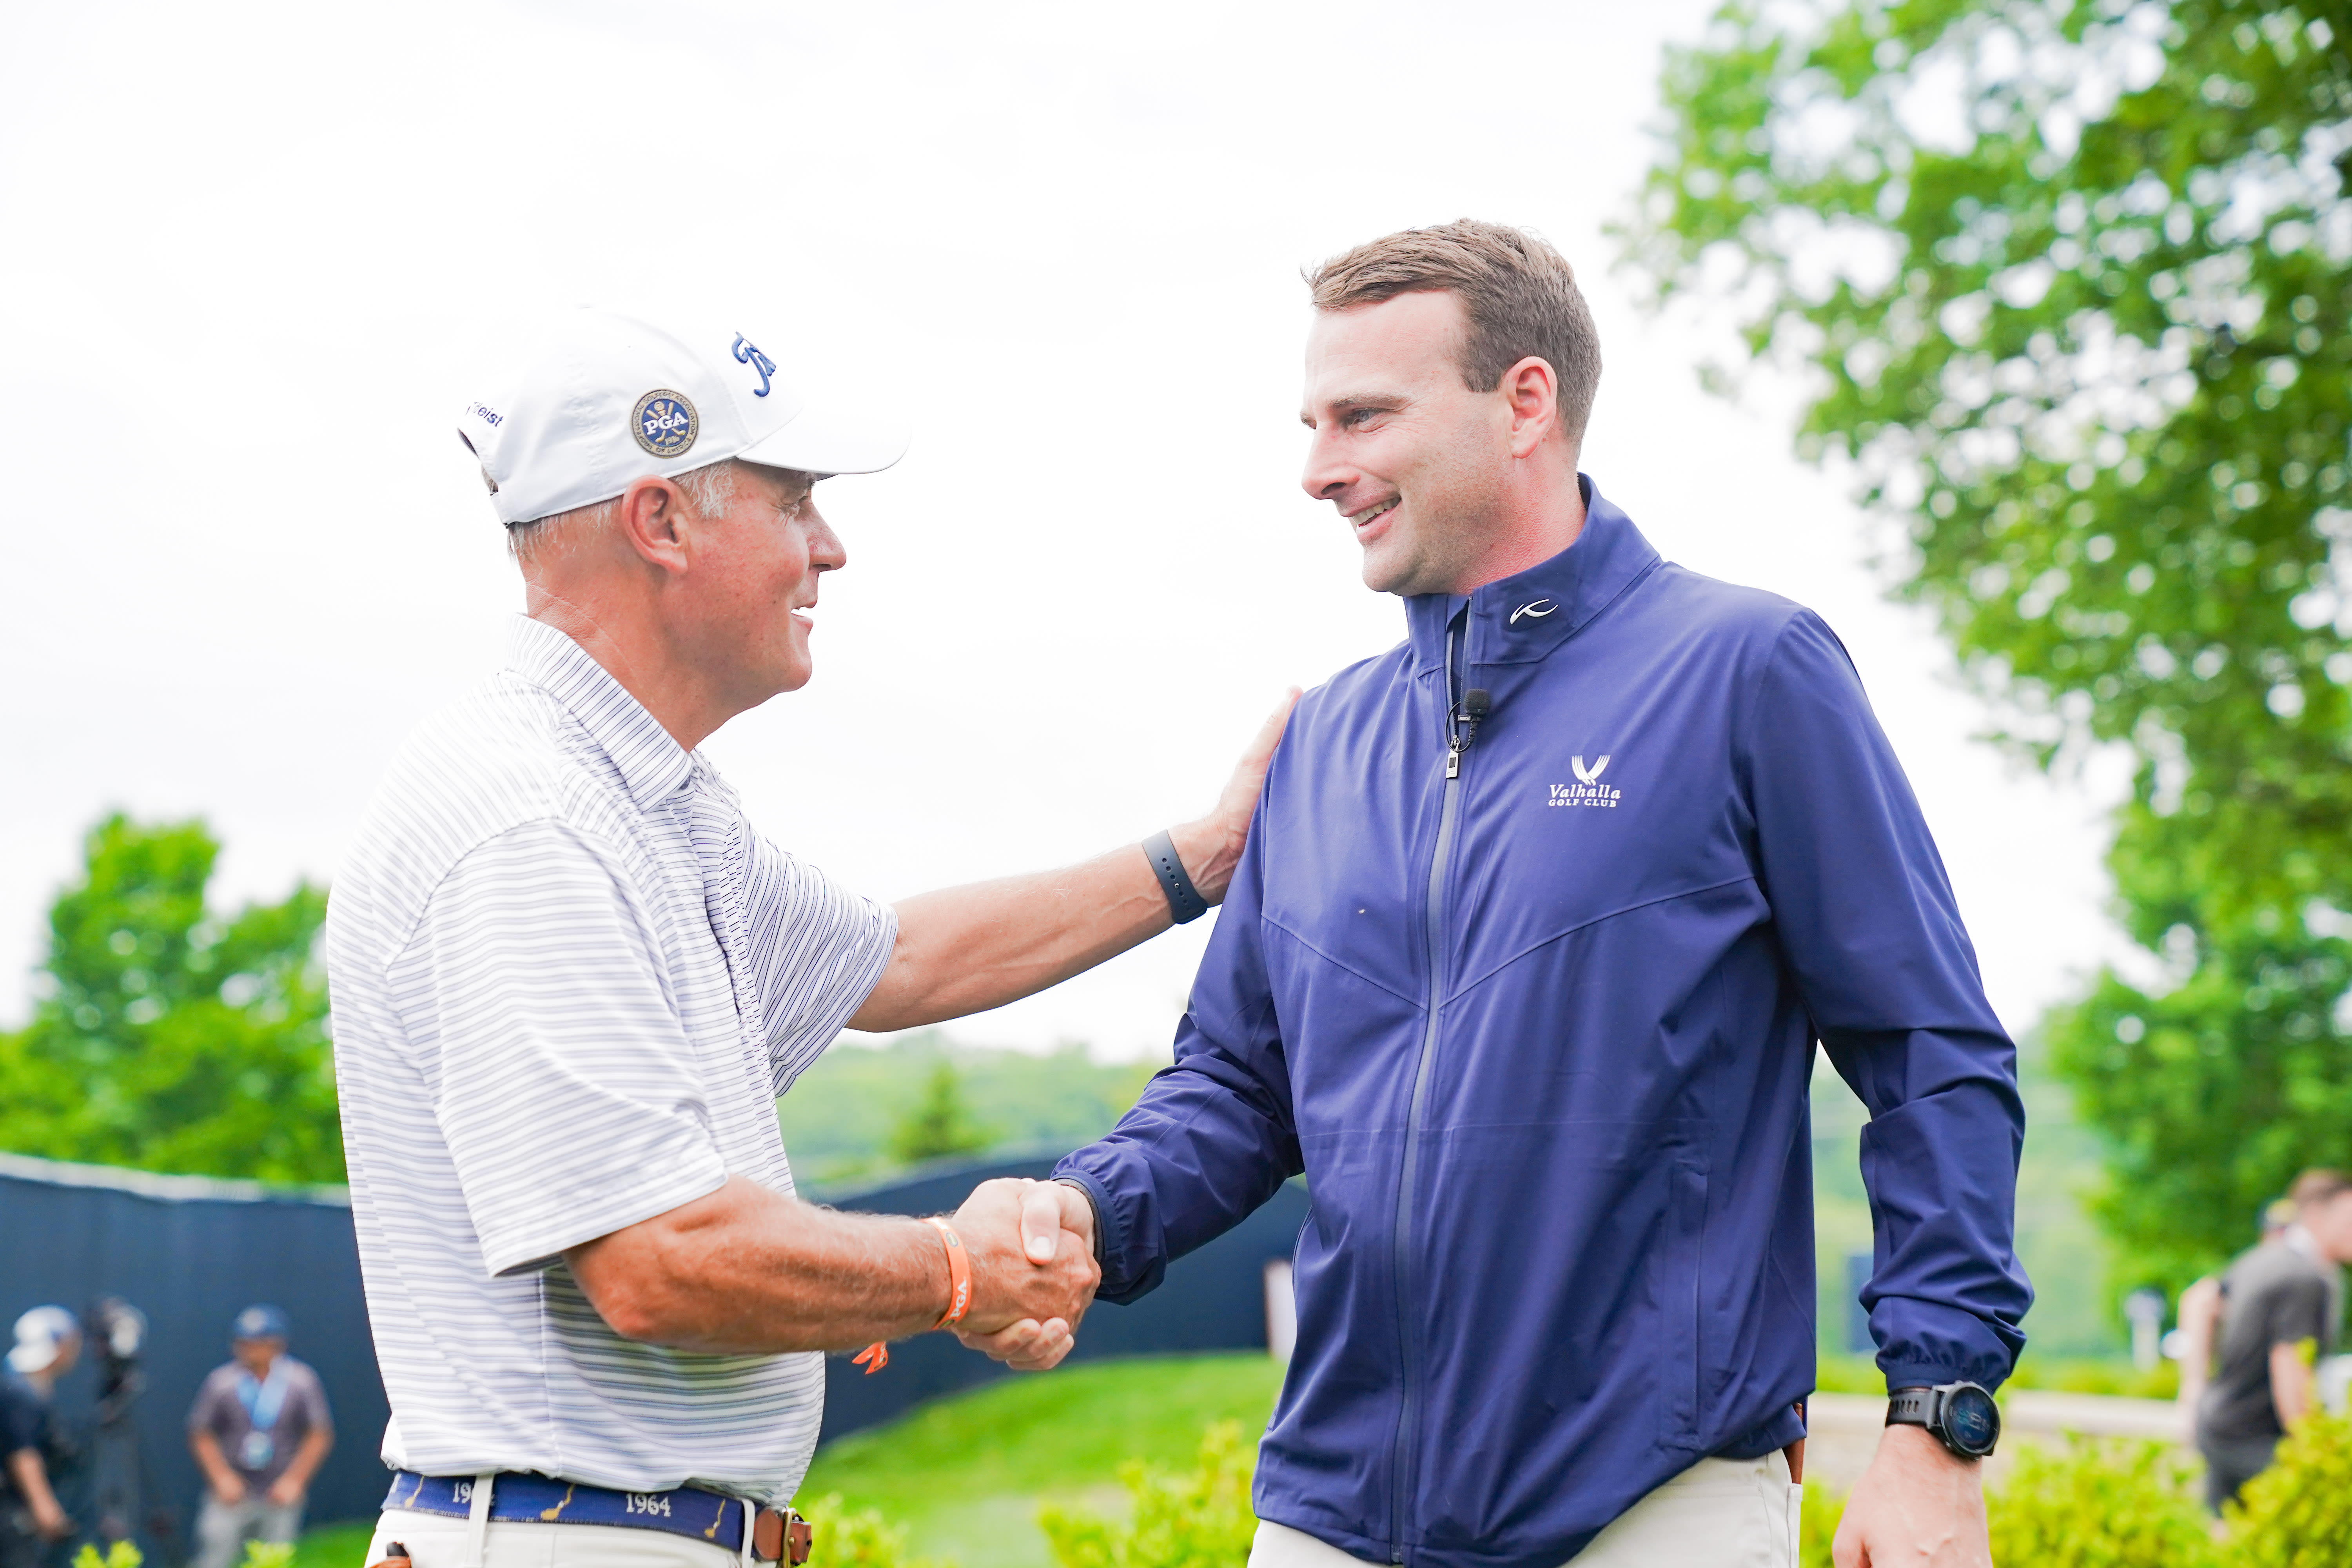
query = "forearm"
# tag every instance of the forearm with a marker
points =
(32, 1480)
(965, 950)
(206, 1448)
(1947, 1298)
(1202, 1148)
(745, 1271)
(308, 1458)
(2290, 1384)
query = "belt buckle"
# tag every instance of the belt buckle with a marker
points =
(780, 1536)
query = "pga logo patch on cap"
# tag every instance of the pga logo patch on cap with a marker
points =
(665, 423)
(550, 438)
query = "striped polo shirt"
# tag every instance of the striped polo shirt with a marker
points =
(569, 983)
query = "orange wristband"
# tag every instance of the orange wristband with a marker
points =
(959, 1275)
(877, 1356)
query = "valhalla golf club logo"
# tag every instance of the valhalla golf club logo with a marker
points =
(1588, 789)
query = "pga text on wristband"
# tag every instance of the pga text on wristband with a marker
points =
(1184, 900)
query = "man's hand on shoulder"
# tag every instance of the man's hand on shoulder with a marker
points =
(1917, 1506)
(1032, 1270)
(1211, 847)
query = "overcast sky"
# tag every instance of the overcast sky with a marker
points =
(261, 257)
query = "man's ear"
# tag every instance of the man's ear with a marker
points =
(1530, 390)
(657, 521)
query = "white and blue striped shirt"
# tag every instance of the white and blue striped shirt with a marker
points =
(569, 983)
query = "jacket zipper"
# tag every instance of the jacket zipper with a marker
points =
(1436, 936)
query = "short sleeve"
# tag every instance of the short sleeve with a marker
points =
(564, 1082)
(816, 952)
(206, 1414)
(20, 1420)
(2298, 1310)
(316, 1416)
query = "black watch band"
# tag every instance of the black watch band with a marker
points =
(1963, 1416)
(1910, 1406)
(1184, 900)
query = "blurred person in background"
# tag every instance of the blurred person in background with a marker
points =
(2280, 1306)
(49, 1342)
(259, 1430)
(2191, 1341)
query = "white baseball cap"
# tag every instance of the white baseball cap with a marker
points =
(41, 1333)
(606, 399)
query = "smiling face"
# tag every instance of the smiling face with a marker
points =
(1416, 463)
(754, 578)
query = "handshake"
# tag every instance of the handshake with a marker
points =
(1032, 1251)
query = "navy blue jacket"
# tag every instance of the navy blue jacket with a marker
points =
(1539, 1038)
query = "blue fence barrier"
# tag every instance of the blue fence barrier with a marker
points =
(189, 1252)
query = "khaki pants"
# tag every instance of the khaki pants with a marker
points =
(223, 1527)
(1719, 1513)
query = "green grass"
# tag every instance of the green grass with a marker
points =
(966, 1475)
(335, 1546)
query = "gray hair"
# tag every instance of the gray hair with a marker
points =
(547, 540)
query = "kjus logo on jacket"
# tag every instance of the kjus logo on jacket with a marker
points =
(1588, 789)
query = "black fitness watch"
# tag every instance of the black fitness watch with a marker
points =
(1960, 1416)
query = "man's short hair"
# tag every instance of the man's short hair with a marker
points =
(2316, 1187)
(1519, 293)
(544, 540)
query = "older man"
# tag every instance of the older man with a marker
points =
(571, 979)
(1541, 917)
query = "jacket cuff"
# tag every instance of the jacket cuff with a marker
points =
(1094, 1208)
(1110, 1230)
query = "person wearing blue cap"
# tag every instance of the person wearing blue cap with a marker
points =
(260, 1430)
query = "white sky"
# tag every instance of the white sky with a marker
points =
(256, 255)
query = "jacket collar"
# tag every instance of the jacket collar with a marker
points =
(1551, 600)
(652, 765)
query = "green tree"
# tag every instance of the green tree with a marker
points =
(169, 1037)
(940, 1124)
(2063, 284)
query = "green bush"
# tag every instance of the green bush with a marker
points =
(2085, 1374)
(1823, 1509)
(121, 1554)
(2099, 1505)
(1201, 1519)
(2298, 1513)
(860, 1540)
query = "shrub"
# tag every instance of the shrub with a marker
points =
(2298, 1513)
(121, 1554)
(1198, 1520)
(2099, 1505)
(861, 1540)
(268, 1554)
(1823, 1509)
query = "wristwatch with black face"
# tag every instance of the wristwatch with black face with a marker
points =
(1961, 1415)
